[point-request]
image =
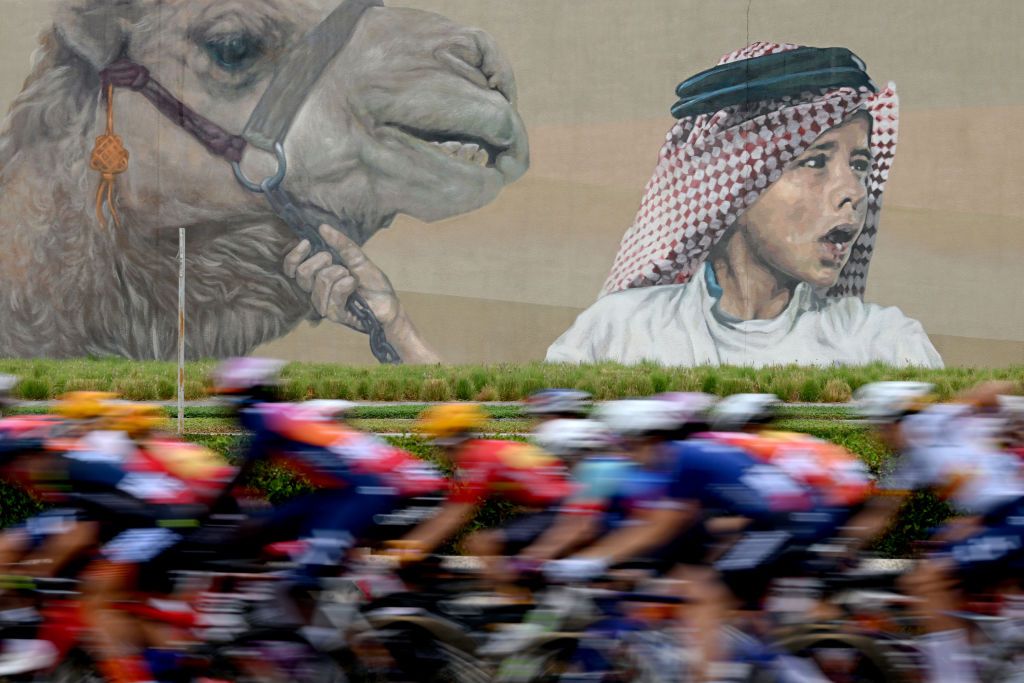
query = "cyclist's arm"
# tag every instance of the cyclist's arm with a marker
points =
(880, 510)
(986, 394)
(958, 529)
(430, 534)
(874, 519)
(655, 527)
(569, 531)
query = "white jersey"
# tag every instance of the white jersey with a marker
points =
(682, 325)
(950, 452)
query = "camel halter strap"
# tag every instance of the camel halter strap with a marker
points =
(267, 129)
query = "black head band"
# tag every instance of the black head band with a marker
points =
(790, 73)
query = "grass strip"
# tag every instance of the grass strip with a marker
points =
(217, 425)
(152, 380)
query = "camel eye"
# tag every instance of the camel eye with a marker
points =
(234, 52)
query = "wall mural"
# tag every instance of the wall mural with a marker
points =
(379, 111)
(754, 236)
(283, 134)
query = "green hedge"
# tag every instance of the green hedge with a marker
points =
(44, 379)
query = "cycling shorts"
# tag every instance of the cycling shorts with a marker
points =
(995, 552)
(523, 529)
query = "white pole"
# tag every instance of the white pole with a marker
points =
(181, 330)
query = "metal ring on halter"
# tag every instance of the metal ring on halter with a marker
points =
(268, 183)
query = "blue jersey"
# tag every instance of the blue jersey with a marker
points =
(730, 481)
(614, 487)
(279, 433)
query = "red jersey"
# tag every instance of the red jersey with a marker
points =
(30, 427)
(205, 472)
(836, 474)
(518, 472)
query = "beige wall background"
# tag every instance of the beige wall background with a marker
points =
(596, 78)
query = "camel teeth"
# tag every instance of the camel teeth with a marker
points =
(469, 152)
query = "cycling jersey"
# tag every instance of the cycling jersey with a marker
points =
(615, 487)
(948, 453)
(30, 427)
(598, 479)
(332, 455)
(727, 479)
(839, 476)
(518, 472)
(204, 471)
(111, 461)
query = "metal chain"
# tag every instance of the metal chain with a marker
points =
(356, 306)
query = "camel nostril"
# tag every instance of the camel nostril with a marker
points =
(475, 55)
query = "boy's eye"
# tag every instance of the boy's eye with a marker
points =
(816, 161)
(861, 165)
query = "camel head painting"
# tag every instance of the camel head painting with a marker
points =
(414, 115)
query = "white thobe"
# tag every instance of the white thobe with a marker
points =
(682, 325)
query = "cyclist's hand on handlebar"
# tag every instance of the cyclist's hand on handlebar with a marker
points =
(405, 552)
(575, 569)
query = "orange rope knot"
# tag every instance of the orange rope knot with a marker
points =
(110, 159)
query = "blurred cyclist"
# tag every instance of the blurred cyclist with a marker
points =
(705, 478)
(949, 449)
(557, 404)
(358, 477)
(517, 472)
(602, 475)
(839, 478)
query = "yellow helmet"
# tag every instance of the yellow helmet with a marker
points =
(450, 420)
(134, 419)
(84, 405)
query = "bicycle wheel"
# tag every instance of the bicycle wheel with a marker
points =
(77, 667)
(273, 656)
(421, 657)
(1006, 665)
(845, 658)
(547, 663)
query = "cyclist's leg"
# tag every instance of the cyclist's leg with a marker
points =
(115, 634)
(708, 604)
(37, 540)
(335, 518)
(748, 567)
(979, 559)
(14, 543)
(60, 548)
(494, 546)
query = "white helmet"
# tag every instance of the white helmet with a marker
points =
(637, 417)
(557, 402)
(889, 401)
(7, 383)
(326, 408)
(241, 375)
(687, 407)
(740, 410)
(570, 436)
(1012, 406)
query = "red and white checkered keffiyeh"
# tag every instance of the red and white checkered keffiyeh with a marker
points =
(714, 166)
